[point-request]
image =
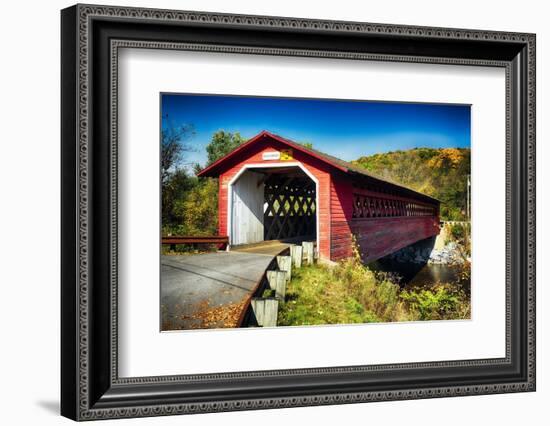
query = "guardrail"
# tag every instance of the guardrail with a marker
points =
(261, 311)
(221, 240)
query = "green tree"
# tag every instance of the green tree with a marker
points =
(189, 203)
(174, 188)
(197, 168)
(221, 144)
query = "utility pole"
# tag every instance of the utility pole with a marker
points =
(468, 198)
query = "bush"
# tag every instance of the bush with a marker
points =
(457, 231)
(440, 302)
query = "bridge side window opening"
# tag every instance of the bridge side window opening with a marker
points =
(365, 206)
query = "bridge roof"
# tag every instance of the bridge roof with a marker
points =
(215, 169)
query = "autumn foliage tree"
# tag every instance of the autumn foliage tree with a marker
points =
(198, 208)
(441, 173)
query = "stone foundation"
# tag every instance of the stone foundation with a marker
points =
(431, 251)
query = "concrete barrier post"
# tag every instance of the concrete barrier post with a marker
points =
(265, 311)
(285, 264)
(308, 248)
(277, 282)
(296, 252)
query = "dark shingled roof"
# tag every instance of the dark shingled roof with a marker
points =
(342, 165)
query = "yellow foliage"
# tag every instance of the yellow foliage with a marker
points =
(199, 209)
(447, 157)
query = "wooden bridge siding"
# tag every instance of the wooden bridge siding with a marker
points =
(378, 237)
(341, 206)
(253, 155)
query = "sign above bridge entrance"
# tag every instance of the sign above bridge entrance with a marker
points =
(271, 155)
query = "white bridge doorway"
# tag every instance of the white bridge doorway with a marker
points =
(268, 202)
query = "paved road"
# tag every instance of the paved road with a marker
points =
(208, 290)
(272, 248)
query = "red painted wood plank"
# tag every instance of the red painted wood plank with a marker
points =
(381, 236)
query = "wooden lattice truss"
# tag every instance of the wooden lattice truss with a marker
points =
(366, 206)
(289, 208)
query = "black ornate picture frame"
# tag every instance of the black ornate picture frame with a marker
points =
(91, 37)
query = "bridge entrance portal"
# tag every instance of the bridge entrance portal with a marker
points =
(273, 203)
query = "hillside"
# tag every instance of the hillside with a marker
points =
(441, 173)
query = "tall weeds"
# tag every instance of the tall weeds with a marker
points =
(349, 292)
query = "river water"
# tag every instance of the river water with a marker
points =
(410, 274)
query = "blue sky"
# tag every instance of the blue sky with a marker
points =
(345, 129)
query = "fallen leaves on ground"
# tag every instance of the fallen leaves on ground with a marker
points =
(223, 316)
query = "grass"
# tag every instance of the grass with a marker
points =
(351, 293)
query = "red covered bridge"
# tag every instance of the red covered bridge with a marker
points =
(271, 188)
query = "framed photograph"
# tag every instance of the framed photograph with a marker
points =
(263, 212)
